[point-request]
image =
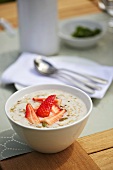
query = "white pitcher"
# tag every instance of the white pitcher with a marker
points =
(38, 26)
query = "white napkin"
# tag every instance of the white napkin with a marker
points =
(23, 71)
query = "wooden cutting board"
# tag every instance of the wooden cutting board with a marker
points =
(99, 147)
(91, 152)
(73, 158)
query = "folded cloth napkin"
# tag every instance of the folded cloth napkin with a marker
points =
(23, 71)
(12, 145)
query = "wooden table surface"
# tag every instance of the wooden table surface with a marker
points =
(91, 152)
(66, 9)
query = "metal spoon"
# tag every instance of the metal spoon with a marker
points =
(46, 68)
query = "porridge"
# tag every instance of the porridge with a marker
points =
(48, 108)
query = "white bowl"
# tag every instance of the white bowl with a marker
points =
(68, 27)
(49, 140)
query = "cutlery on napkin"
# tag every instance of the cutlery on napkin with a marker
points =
(23, 71)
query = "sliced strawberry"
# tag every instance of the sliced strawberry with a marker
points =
(31, 115)
(58, 102)
(37, 99)
(52, 119)
(46, 106)
(35, 109)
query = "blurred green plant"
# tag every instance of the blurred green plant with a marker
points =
(84, 32)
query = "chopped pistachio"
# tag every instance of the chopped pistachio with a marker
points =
(44, 124)
(62, 119)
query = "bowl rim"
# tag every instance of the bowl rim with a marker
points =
(74, 39)
(49, 129)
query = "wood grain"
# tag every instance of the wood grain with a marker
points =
(97, 142)
(9, 12)
(70, 8)
(74, 158)
(99, 146)
(104, 159)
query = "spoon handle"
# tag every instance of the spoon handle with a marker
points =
(88, 83)
(92, 78)
(77, 84)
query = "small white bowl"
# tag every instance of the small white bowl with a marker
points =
(49, 140)
(68, 27)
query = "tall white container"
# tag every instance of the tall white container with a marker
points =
(38, 26)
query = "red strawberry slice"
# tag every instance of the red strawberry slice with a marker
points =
(31, 115)
(52, 119)
(35, 109)
(46, 106)
(37, 99)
